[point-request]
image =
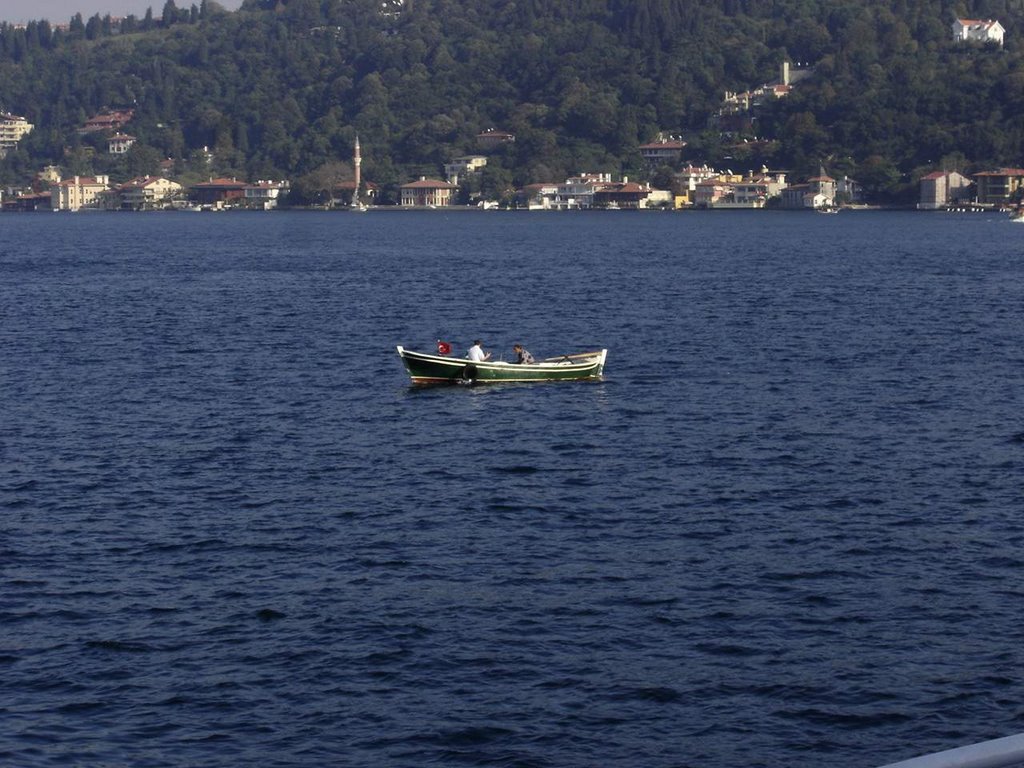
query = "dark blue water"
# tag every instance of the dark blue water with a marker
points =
(785, 530)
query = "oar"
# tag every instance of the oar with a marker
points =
(570, 357)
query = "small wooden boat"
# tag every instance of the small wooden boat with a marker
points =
(442, 369)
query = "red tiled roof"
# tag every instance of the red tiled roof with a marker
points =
(82, 181)
(664, 145)
(429, 184)
(221, 184)
(1002, 172)
(630, 187)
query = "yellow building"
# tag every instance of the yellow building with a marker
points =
(146, 193)
(12, 129)
(427, 192)
(78, 192)
(1000, 187)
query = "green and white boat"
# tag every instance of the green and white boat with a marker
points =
(443, 369)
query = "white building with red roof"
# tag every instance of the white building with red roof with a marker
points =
(120, 143)
(109, 120)
(663, 150)
(265, 194)
(979, 31)
(146, 193)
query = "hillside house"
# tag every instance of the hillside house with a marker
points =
(46, 178)
(491, 139)
(109, 120)
(12, 129)
(978, 31)
(663, 151)
(119, 143)
(461, 166)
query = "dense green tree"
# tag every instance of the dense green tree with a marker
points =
(281, 87)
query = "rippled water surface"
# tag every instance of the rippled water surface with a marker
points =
(785, 530)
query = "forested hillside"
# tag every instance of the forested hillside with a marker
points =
(280, 88)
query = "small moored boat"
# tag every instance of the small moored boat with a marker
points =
(425, 368)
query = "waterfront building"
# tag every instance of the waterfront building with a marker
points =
(625, 194)
(942, 189)
(78, 192)
(145, 193)
(1001, 187)
(265, 194)
(427, 192)
(218, 192)
(28, 202)
(685, 183)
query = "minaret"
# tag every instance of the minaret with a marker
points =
(356, 161)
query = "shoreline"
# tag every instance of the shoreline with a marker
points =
(477, 209)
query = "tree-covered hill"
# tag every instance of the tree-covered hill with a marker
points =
(280, 88)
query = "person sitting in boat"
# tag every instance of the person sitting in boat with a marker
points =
(522, 356)
(476, 352)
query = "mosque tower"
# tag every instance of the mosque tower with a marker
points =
(357, 161)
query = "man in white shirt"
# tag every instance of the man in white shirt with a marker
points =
(476, 352)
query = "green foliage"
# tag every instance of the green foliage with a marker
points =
(281, 88)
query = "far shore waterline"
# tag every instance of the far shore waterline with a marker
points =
(478, 209)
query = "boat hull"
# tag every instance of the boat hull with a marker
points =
(440, 369)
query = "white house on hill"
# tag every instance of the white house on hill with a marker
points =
(978, 30)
